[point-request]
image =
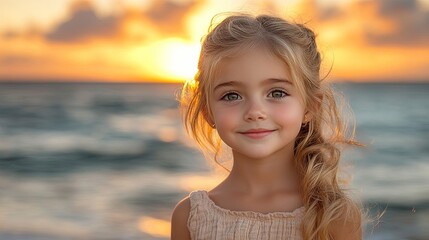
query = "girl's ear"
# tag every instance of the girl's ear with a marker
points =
(307, 117)
(313, 109)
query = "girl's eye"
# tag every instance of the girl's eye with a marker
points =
(231, 97)
(277, 94)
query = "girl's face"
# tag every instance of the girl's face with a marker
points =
(256, 108)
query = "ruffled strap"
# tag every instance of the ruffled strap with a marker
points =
(198, 203)
(200, 198)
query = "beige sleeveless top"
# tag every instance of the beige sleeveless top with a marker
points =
(209, 221)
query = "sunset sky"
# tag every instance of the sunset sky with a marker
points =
(148, 40)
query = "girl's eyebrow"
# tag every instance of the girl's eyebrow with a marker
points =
(226, 84)
(265, 82)
(276, 80)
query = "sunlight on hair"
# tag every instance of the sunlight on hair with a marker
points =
(155, 227)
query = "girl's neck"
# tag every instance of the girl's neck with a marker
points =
(264, 176)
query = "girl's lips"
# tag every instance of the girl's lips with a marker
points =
(257, 133)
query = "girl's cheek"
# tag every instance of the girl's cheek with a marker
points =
(225, 115)
(289, 113)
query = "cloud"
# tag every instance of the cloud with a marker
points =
(329, 13)
(165, 18)
(11, 60)
(84, 24)
(10, 34)
(410, 20)
(170, 17)
(402, 23)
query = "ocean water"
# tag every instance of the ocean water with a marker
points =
(110, 161)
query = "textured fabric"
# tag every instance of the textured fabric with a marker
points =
(209, 221)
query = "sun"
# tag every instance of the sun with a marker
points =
(171, 59)
(180, 60)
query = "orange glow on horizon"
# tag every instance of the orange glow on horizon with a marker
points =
(160, 42)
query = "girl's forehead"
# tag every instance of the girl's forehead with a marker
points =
(257, 63)
(246, 47)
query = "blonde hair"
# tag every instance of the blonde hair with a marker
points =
(316, 149)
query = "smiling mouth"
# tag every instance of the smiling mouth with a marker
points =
(257, 133)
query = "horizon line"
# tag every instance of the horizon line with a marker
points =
(92, 81)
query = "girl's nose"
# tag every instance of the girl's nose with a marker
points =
(255, 111)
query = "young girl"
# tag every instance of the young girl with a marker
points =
(258, 91)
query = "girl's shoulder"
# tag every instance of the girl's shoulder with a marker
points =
(182, 209)
(179, 219)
